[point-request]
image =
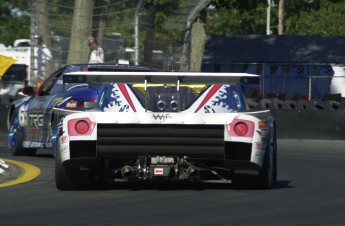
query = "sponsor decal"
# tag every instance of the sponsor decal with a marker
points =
(36, 120)
(161, 117)
(210, 93)
(209, 109)
(257, 145)
(26, 144)
(71, 104)
(125, 108)
(158, 171)
(124, 91)
(63, 149)
(36, 145)
(59, 101)
(63, 139)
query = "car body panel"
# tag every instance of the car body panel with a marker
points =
(35, 112)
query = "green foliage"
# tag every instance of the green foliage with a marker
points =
(231, 17)
(14, 21)
(224, 17)
(302, 17)
(327, 20)
(61, 17)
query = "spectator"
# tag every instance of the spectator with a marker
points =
(42, 56)
(97, 53)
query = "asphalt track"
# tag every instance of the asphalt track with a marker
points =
(310, 191)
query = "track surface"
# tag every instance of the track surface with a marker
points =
(310, 191)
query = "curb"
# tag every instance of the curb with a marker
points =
(15, 172)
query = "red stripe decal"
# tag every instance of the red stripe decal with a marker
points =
(213, 90)
(124, 91)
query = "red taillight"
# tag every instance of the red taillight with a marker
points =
(81, 104)
(241, 129)
(82, 127)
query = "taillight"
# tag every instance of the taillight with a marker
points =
(83, 103)
(80, 127)
(241, 129)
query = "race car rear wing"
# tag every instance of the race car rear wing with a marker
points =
(131, 77)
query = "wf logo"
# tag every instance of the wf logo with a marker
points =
(161, 117)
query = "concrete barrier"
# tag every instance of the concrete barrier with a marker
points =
(310, 124)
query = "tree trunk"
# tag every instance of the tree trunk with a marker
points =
(198, 40)
(281, 18)
(43, 29)
(81, 28)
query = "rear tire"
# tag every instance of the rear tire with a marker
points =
(267, 175)
(71, 178)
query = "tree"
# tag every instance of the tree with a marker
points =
(324, 17)
(301, 17)
(228, 17)
(78, 51)
(14, 21)
(281, 17)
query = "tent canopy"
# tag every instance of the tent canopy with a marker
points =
(275, 49)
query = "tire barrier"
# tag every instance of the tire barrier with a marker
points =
(290, 104)
(302, 104)
(252, 103)
(318, 105)
(336, 105)
(274, 103)
(265, 103)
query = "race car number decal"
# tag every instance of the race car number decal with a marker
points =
(23, 115)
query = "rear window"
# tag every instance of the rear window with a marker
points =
(15, 73)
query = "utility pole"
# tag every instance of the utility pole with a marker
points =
(136, 32)
(268, 20)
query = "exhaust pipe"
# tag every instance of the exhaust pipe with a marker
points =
(127, 173)
(193, 173)
(161, 105)
(174, 105)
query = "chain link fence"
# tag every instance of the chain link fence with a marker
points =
(290, 83)
(160, 36)
(132, 30)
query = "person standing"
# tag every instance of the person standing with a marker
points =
(42, 56)
(97, 53)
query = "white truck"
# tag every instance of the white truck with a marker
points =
(16, 75)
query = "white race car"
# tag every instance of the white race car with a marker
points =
(156, 125)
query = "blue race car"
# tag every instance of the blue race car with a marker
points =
(30, 120)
